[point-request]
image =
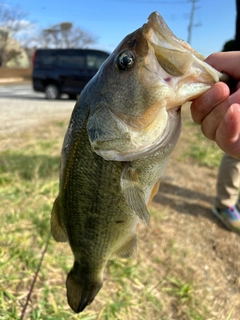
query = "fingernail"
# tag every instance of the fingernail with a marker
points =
(232, 113)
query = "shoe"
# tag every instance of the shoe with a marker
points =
(230, 217)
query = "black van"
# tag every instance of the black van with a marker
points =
(59, 71)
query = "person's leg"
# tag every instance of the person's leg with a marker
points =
(228, 182)
(226, 203)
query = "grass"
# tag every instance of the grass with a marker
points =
(152, 285)
(203, 151)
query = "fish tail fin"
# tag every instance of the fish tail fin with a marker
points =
(57, 230)
(81, 291)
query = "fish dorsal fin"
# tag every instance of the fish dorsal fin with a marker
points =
(133, 193)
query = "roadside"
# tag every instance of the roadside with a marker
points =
(13, 80)
(21, 113)
(15, 75)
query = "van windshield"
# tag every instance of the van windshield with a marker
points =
(94, 60)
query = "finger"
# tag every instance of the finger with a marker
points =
(212, 121)
(203, 105)
(226, 62)
(228, 132)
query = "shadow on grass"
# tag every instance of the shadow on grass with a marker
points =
(169, 188)
(178, 199)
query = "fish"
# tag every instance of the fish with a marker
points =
(121, 133)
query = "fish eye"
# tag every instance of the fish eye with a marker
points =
(125, 60)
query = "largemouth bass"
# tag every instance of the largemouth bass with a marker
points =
(121, 133)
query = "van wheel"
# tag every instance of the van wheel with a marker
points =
(52, 92)
(72, 96)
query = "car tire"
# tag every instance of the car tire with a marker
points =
(72, 97)
(52, 92)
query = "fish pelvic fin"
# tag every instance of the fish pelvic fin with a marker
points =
(80, 291)
(57, 231)
(128, 249)
(133, 193)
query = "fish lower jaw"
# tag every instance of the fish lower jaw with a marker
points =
(136, 147)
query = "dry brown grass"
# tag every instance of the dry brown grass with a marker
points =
(24, 73)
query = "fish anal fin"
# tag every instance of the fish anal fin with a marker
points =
(56, 229)
(153, 192)
(133, 193)
(128, 249)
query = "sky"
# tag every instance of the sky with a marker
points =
(111, 20)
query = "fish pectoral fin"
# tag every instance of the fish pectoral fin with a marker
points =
(133, 193)
(128, 249)
(56, 229)
(80, 291)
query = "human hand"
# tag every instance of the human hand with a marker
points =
(218, 111)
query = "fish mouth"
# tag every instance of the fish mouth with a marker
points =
(175, 55)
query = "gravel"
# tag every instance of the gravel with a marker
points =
(18, 114)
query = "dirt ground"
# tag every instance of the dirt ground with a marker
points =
(187, 194)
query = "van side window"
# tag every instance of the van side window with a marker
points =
(72, 60)
(46, 59)
(94, 60)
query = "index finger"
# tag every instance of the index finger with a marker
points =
(226, 62)
(203, 105)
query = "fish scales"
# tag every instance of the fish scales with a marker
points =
(82, 205)
(122, 131)
(85, 203)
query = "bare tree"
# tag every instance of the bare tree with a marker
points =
(11, 23)
(65, 35)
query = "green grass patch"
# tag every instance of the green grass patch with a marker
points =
(199, 149)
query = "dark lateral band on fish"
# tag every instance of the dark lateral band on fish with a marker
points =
(120, 137)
